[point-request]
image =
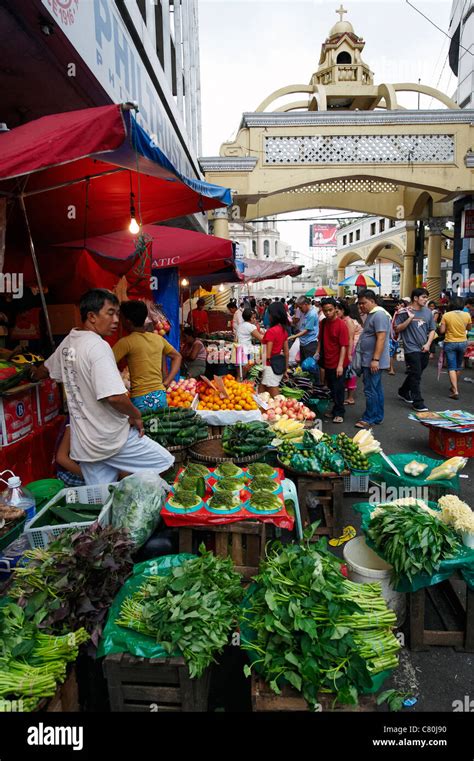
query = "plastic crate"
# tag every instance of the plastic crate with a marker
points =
(356, 482)
(450, 444)
(92, 495)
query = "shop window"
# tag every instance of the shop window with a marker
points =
(344, 240)
(357, 234)
(266, 248)
(392, 223)
(372, 228)
(351, 237)
(276, 249)
(254, 247)
(382, 225)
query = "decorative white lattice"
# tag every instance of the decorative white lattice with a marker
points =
(360, 149)
(348, 186)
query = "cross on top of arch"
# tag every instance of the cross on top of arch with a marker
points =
(341, 12)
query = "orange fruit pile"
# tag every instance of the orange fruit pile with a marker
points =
(239, 396)
(178, 398)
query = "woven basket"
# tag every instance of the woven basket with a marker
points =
(211, 452)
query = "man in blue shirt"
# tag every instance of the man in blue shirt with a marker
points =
(308, 328)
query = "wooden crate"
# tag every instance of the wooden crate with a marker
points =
(264, 699)
(243, 541)
(329, 490)
(154, 685)
(461, 638)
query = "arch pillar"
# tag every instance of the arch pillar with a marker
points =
(433, 280)
(221, 223)
(408, 282)
(341, 272)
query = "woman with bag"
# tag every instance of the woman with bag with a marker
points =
(276, 353)
(355, 329)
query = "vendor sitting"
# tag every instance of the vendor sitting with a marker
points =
(194, 354)
(146, 354)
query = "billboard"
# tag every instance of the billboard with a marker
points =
(322, 235)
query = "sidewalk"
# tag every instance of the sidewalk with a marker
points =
(439, 676)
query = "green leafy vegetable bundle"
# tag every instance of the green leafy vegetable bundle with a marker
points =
(193, 610)
(74, 581)
(411, 539)
(307, 625)
(32, 663)
(244, 439)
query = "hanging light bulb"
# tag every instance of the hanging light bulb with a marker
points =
(221, 287)
(133, 227)
(184, 282)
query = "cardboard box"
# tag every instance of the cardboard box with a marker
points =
(63, 318)
(46, 402)
(16, 417)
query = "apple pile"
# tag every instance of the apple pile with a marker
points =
(185, 384)
(282, 408)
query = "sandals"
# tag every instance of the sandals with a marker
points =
(454, 396)
(362, 424)
(338, 419)
(349, 402)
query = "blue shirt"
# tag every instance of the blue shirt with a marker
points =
(309, 322)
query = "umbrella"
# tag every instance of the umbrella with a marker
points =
(364, 280)
(324, 290)
(88, 172)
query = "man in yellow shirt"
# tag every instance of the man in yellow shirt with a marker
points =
(454, 325)
(146, 354)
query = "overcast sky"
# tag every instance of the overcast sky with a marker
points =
(249, 48)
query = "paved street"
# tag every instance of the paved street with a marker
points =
(440, 675)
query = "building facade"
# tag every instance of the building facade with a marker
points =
(61, 55)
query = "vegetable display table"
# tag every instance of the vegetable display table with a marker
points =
(444, 598)
(264, 699)
(244, 541)
(154, 684)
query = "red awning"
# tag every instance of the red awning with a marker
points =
(76, 171)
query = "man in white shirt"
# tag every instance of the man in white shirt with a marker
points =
(106, 429)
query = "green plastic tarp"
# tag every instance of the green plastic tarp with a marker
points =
(463, 561)
(118, 639)
(381, 472)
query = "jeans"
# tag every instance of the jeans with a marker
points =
(455, 354)
(374, 398)
(337, 392)
(416, 362)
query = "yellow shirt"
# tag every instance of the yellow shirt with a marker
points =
(144, 354)
(457, 323)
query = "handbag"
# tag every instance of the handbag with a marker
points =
(356, 361)
(278, 364)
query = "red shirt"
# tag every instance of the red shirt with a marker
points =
(334, 334)
(200, 321)
(277, 335)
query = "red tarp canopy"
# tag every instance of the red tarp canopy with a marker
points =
(71, 269)
(76, 171)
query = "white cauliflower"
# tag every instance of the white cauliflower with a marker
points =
(456, 513)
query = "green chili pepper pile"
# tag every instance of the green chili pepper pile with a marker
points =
(311, 627)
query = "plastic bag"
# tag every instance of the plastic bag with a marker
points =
(137, 503)
(161, 324)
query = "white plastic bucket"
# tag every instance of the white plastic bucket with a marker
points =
(364, 566)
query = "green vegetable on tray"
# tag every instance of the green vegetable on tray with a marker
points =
(196, 470)
(261, 483)
(195, 484)
(192, 610)
(223, 501)
(261, 469)
(263, 501)
(228, 484)
(183, 498)
(411, 539)
(306, 625)
(228, 469)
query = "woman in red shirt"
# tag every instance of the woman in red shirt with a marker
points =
(276, 349)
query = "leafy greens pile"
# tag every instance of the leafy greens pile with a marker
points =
(73, 582)
(307, 625)
(411, 539)
(192, 610)
(32, 663)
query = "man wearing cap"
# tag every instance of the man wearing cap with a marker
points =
(308, 328)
